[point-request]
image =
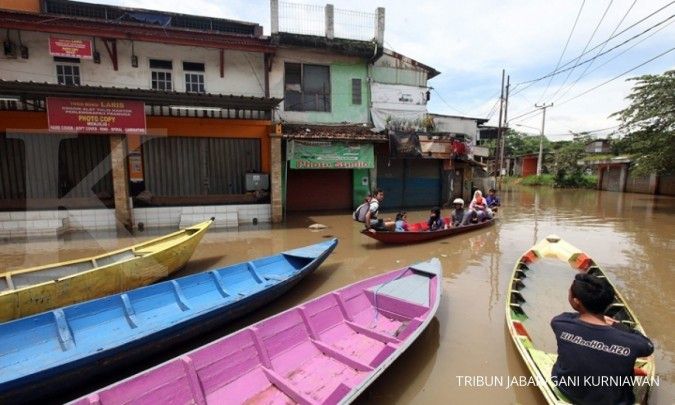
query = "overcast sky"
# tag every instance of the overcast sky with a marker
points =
(470, 42)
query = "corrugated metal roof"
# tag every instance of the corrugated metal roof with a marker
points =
(354, 132)
(154, 97)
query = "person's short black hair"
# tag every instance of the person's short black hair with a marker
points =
(436, 211)
(377, 191)
(400, 215)
(595, 294)
(492, 190)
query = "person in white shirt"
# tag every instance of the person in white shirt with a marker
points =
(372, 222)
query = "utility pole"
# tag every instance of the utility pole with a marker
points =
(506, 112)
(543, 107)
(499, 127)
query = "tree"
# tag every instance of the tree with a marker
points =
(650, 123)
(570, 152)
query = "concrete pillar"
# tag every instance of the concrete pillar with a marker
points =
(379, 30)
(276, 161)
(274, 14)
(623, 178)
(330, 21)
(120, 175)
(653, 183)
(601, 172)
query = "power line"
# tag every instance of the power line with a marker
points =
(553, 73)
(631, 47)
(493, 110)
(597, 26)
(583, 74)
(564, 48)
(616, 77)
(523, 114)
(446, 103)
(531, 82)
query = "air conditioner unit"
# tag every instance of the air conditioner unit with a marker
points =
(257, 181)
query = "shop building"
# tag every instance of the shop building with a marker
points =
(114, 116)
(323, 152)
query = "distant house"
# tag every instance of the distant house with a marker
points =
(526, 165)
(598, 146)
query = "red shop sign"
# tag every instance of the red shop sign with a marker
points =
(70, 48)
(96, 116)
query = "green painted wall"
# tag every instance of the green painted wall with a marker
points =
(342, 109)
(360, 185)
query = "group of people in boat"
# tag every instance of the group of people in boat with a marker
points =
(590, 344)
(480, 209)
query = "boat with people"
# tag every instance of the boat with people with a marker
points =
(45, 353)
(419, 232)
(29, 291)
(327, 350)
(545, 270)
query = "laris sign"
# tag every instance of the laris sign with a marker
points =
(96, 116)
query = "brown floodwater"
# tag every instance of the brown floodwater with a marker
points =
(631, 236)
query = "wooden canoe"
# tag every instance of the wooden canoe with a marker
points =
(30, 291)
(45, 353)
(325, 351)
(418, 234)
(539, 361)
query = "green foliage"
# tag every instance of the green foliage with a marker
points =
(543, 180)
(650, 122)
(570, 152)
(574, 180)
(518, 143)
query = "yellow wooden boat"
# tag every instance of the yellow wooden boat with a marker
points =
(28, 291)
(519, 311)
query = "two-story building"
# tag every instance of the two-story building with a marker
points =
(323, 153)
(104, 106)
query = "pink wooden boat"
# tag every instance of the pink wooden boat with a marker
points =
(325, 351)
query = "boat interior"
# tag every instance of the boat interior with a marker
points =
(315, 353)
(137, 312)
(28, 277)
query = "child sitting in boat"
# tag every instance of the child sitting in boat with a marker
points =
(435, 221)
(592, 346)
(478, 209)
(401, 224)
(458, 213)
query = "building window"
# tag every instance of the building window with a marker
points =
(307, 87)
(160, 73)
(194, 77)
(67, 71)
(356, 91)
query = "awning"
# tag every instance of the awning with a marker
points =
(27, 90)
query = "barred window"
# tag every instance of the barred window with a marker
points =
(356, 91)
(194, 77)
(160, 74)
(68, 74)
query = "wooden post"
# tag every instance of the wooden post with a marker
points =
(120, 174)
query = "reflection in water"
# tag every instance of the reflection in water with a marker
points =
(631, 236)
(417, 361)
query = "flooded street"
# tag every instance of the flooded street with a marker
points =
(631, 236)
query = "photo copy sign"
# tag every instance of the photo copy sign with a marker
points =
(96, 116)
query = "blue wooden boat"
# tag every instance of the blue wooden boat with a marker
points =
(56, 350)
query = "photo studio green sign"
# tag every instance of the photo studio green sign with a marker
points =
(330, 155)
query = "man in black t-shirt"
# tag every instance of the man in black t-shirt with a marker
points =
(596, 354)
